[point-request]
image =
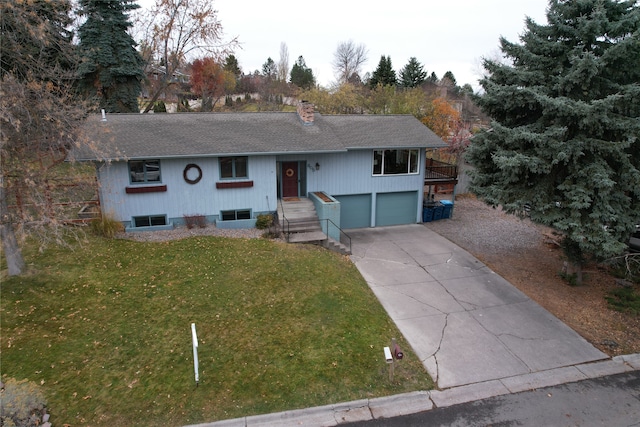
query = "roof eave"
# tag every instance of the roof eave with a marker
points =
(212, 155)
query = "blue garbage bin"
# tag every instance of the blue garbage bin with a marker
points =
(447, 208)
(427, 214)
(437, 212)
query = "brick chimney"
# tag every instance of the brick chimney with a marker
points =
(305, 112)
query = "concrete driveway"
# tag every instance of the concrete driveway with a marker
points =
(465, 322)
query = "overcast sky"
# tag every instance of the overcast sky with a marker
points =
(442, 35)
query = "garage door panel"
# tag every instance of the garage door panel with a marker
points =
(355, 210)
(396, 208)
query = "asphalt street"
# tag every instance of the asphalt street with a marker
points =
(611, 401)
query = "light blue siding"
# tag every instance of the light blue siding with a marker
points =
(341, 174)
(351, 173)
(182, 198)
(329, 215)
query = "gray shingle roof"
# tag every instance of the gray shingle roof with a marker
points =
(214, 134)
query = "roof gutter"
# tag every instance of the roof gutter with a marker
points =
(191, 156)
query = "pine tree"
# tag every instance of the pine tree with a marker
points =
(270, 69)
(565, 136)
(384, 74)
(231, 65)
(37, 44)
(301, 75)
(451, 78)
(413, 74)
(111, 69)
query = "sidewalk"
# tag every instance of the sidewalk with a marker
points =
(420, 401)
(475, 333)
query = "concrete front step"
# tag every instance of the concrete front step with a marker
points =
(300, 222)
(313, 236)
(301, 228)
(336, 246)
(297, 216)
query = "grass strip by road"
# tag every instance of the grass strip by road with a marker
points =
(104, 328)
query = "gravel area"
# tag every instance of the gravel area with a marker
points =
(183, 232)
(480, 228)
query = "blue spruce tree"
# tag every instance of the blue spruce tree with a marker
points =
(111, 69)
(566, 126)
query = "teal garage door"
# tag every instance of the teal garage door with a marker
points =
(396, 208)
(355, 210)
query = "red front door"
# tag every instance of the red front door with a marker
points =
(290, 179)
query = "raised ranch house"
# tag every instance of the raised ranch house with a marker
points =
(358, 170)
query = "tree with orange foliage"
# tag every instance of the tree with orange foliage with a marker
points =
(210, 81)
(445, 121)
(442, 118)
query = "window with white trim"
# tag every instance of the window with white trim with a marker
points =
(396, 162)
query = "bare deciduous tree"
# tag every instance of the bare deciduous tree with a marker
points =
(348, 59)
(40, 119)
(283, 63)
(174, 29)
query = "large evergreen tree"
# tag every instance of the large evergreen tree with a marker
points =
(301, 75)
(565, 136)
(384, 74)
(37, 44)
(413, 74)
(111, 69)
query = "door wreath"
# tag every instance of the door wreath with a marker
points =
(185, 174)
(290, 172)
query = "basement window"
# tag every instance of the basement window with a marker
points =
(235, 215)
(149, 220)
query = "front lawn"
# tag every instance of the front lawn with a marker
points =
(104, 328)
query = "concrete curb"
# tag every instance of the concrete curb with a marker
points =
(420, 401)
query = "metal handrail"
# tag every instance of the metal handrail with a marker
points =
(286, 228)
(342, 233)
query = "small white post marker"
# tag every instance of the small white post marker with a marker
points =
(194, 338)
(389, 358)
